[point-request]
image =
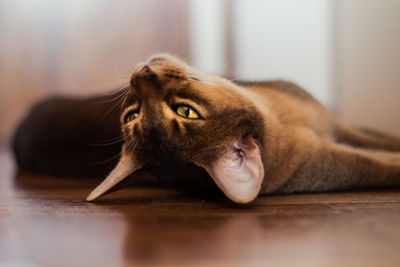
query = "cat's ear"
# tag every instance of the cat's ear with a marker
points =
(238, 170)
(125, 167)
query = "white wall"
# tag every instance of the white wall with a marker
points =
(286, 39)
(207, 36)
(368, 65)
(270, 39)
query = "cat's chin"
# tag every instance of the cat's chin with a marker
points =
(193, 180)
(185, 177)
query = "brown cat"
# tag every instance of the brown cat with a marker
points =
(189, 128)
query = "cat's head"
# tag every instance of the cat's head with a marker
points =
(174, 115)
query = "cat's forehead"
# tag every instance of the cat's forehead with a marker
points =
(165, 75)
(174, 67)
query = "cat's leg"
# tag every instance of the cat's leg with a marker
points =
(366, 138)
(334, 166)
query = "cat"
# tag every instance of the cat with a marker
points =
(204, 133)
(76, 137)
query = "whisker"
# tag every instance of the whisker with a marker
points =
(121, 89)
(111, 139)
(248, 106)
(133, 143)
(107, 160)
(104, 144)
(115, 96)
(113, 106)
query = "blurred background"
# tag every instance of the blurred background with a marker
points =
(344, 52)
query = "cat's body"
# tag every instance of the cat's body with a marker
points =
(192, 130)
(314, 152)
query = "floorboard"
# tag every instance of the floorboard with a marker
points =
(45, 221)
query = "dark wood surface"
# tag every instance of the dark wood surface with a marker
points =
(45, 221)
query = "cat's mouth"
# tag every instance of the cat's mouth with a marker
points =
(170, 169)
(185, 177)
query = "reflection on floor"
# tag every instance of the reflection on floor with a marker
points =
(45, 221)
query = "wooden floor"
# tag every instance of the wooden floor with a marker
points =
(45, 221)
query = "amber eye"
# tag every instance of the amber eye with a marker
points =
(187, 112)
(130, 116)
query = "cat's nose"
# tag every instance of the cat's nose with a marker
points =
(145, 72)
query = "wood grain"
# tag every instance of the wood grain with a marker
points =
(45, 221)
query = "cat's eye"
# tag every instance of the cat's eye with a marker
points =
(187, 112)
(130, 116)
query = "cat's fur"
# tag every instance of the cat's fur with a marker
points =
(250, 138)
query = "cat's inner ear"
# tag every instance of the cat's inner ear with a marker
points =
(125, 167)
(238, 170)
